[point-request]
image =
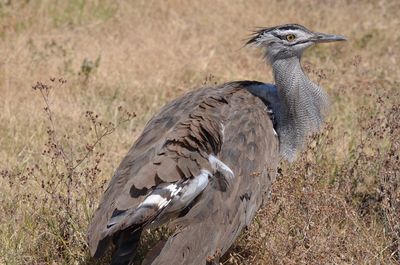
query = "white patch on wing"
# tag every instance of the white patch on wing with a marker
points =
(189, 192)
(160, 200)
(174, 189)
(153, 199)
(221, 167)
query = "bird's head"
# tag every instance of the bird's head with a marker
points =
(288, 40)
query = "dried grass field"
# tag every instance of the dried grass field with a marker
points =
(79, 79)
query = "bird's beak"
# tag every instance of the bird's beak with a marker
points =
(323, 37)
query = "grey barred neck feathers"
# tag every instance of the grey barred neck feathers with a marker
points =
(301, 105)
(302, 109)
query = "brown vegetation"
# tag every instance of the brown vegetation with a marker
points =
(100, 63)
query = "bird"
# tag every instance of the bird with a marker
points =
(205, 163)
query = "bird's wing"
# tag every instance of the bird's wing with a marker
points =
(251, 150)
(179, 151)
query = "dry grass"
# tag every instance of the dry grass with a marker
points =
(339, 204)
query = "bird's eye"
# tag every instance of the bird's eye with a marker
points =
(290, 37)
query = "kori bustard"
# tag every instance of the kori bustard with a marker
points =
(206, 161)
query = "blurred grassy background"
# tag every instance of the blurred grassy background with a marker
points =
(338, 204)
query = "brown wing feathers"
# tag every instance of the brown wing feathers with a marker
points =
(174, 148)
(223, 215)
(163, 153)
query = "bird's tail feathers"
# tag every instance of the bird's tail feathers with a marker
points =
(126, 245)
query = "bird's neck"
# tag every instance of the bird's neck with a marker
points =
(302, 105)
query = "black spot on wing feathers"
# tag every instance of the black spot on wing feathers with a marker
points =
(220, 99)
(135, 193)
(209, 104)
(246, 196)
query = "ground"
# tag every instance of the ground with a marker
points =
(79, 79)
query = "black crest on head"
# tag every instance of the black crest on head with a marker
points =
(257, 34)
